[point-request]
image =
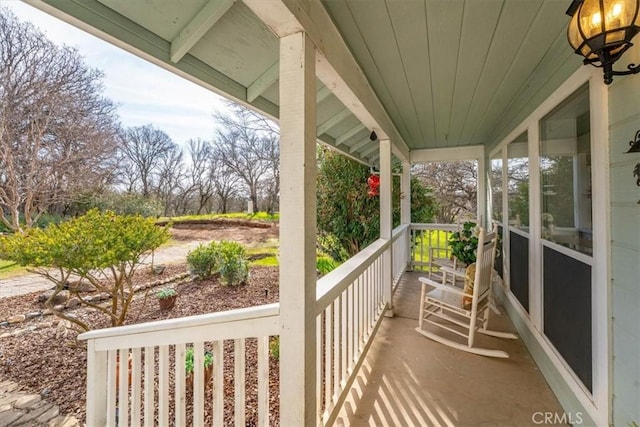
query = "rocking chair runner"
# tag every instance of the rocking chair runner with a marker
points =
(447, 307)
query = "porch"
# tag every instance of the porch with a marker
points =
(407, 379)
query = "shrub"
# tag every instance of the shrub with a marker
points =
(325, 265)
(233, 262)
(94, 247)
(203, 260)
(188, 360)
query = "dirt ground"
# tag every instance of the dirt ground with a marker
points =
(44, 361)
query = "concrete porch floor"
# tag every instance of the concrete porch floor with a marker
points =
(409, 380)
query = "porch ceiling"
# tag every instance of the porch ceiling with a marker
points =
(447, 73)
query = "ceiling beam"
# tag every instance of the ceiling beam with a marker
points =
(335, 65)
(333, 121)
(263, 82)
(198, 27)
(322, 94)
(358, 145)
(468, 152)
(349, 134)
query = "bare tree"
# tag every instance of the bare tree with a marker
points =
(200, 155)
(170, 180)
(144, 148)
(248, 145)
(225, 183)
(56, 130)
(454, 187)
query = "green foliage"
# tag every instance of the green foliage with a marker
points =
(464, 243)
(43, 221)
(203, 261)
(122, 204)
(330, 245)
(325, 264)
(189, 363)
(165, 293)
(345, 210)
(227, 258)
(274, 347)
(234, 265)
(91, 246)
(262, 216)
(348, 218)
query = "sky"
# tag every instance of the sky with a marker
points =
(144, 92)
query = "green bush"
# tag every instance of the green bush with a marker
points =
(94, 247)
(325, 265)
(233, 262)
(203, 260)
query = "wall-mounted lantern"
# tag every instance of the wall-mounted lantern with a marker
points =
(601, 31)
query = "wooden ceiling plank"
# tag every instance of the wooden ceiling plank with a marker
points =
(194, 30)
(444, 21)
(350, 134)
(333, 121)
(264, 82)
(335, 65)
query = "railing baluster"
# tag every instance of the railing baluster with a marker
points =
(198, 383)
(218, 383)
(111, 388)
(328, 353)
(163, 385)
(179, 386)
(336, 347)
(343, 338)
(136, 386)
(149, 397)
(263, 381)
(319, 362)
(123, 387)
(239, 383)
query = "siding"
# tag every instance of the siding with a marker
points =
(624, 122)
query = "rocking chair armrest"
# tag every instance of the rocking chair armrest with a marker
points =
(446, 288)
(454, 271)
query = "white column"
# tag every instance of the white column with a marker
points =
(297, 231)
(481, 196)
(535, 227)
(405, 190)
(386, 220)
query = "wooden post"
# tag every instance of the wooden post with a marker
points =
(386, 221)
(405, 190)
(297, 231)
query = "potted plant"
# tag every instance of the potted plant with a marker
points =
(189, 366)
(167, 298)
(464, 243)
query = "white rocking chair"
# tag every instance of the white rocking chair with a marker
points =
(463, 313)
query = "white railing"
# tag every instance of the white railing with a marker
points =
(349, 308)
(429, 241)
(152, 387)
(401, 252)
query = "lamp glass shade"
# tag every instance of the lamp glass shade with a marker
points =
(600, 24)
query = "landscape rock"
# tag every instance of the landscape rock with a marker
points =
(64, 421)
(4, 324)
(60, 298)
(28, 400)
(81, 286)
(73, 302)
(18, 318)
(33, 314)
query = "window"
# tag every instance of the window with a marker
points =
(518, 182)
(496, 187)
(565, 167)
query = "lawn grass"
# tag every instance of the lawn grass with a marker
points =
(10, 269)
(262, 216)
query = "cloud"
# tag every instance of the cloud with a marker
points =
(144, 92)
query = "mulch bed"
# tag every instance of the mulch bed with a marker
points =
(44, 362)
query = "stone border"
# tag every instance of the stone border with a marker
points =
(75, 302)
